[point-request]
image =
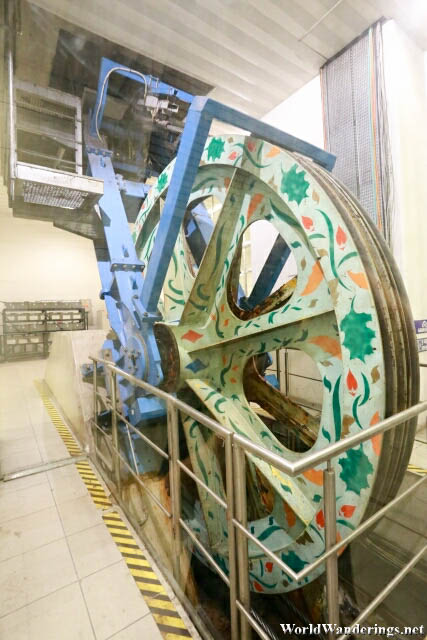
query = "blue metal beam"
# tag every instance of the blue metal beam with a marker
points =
(200, 115)
(269, 273)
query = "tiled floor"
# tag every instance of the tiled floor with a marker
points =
(61, 574)
(419, 452)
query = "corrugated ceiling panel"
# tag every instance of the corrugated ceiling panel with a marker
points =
(255, 53)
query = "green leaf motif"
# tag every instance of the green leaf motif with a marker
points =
(336, 408)
(293, 561)
(327, 383)
(294, 184)
(215, 148)
(162, 182)
(326, 434)
(358, 336)
(201, 464)
(356, 468)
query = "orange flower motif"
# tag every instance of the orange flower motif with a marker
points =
(341, 238)
(313, 475)
(256, 199)
(232, 155)
(351, 383)
(320, 519)
(376, 443)
(269, 567)
(307, 223)
(347, 510)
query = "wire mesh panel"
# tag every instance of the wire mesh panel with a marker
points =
(356, 130)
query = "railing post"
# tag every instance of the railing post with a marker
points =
(95, 391)
(232, 572)
(175, 485)
(330, 539)
(114, 433)
(241, 540)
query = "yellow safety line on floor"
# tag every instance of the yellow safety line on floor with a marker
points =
(415, 469)
(168, 620)
(93, 485)
(72, 446)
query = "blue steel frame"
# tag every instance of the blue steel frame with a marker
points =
(131, 297)
(199, 119)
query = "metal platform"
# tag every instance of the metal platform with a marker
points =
(45, 169)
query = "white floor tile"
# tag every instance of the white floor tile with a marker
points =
(419, 455)
(19, 461)
(66, 484)
(145, 628)
(92, 550)
(59, 616)
(14, 420)
(11, 431)
(9, 447)
(35, 574)
(38, 414)
(29, 532)
(113, 600)
(23, 483)
(52, 448)
(44, 428)
(20, 503)
(14, 413)
(79, 514)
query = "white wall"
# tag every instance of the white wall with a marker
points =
(299, 115)
(407, 98)
(40, 262)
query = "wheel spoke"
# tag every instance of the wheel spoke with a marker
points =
(295, 418)
(224, 238)
(276, 487)
(202, 447)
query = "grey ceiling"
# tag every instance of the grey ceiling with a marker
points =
(254, 52)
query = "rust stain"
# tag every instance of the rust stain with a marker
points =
(290, 515)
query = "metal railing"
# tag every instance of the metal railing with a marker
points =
(234, 504)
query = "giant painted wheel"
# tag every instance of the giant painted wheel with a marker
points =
(346, 309)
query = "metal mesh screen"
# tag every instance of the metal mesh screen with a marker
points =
(356, 128)
(53, 196)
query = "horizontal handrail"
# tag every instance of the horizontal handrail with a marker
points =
(308, 460)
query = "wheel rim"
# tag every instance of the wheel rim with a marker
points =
(331, 315)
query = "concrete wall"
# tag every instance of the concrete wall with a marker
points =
(40, 262)
(405, 69)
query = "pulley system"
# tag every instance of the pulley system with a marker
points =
(182, 318)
